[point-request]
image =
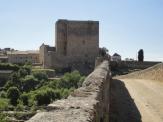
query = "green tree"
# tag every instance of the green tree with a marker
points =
(13, 94)
(24, 98)
(70, 80)
(13, 81)
(23, 72)
(27, 68)
(103, 51)
(40, 75)
(3, 94)
(81, 81)
(29, 83)
(42, 98)
(141, 55)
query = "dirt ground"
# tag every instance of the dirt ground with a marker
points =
(136, 100)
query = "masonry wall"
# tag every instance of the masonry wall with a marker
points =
(90, 103)
(152, 73)
(45, 56)
(22, 58)
(133, 64)
(78, 40)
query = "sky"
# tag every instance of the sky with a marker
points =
(125, 25)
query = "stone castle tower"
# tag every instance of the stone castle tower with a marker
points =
(77, 42)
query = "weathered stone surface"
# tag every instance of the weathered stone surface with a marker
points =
(77, 42)
(153, 73)
(90, 103)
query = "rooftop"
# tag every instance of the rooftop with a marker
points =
(23, 52)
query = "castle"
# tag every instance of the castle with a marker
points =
(76, 43)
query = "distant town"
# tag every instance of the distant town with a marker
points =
(34, 81)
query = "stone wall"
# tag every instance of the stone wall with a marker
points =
(77, 40)
(90, 103)
(152, 73)
(133, 64)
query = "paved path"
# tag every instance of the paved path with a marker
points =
(135, 100)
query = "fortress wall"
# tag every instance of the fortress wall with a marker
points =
(141, 65)
(90, 103)
(153, 73)
(61, 36)
(83, 38)
(76, 42)
(77, 39)
(133, 64)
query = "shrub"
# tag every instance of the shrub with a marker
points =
(19, 107)
(40, 75)
(69, 80)
(3, 94)
(13, 94)
(14, 80)
(2, 82)
(65, 93)
(23, 72)
(46, 95)
(42, 98)
(31, 98)
(7, 66)
(48, 72)
(8, 84)
(24, 98)
(53, 84)
(81, 81)
(3, 117)
(27, 68)
(4, 103)
(29, 83)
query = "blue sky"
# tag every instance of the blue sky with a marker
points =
(125, 25)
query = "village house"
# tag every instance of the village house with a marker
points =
(116, 57)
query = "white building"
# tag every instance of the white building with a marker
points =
(23, 56)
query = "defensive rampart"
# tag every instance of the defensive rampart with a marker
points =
(152, 73)
(90, 103)
(133, 64)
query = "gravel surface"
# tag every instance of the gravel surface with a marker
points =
(136, 100)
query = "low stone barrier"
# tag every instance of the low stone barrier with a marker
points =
(133, 64)
(90, 103)
(152, 73)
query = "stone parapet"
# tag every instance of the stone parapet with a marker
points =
(152, 73)
(90, 103)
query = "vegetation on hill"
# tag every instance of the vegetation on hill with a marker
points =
(27, 91)
(103, 51)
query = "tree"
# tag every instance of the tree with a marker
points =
(103, 51)
(42, 97)
(24, 98)
(13, 81)
(13, 94)
(28, 68)
(40, 75)
(23, 72)
(141, 55)
(69, 80)
(29, 83)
